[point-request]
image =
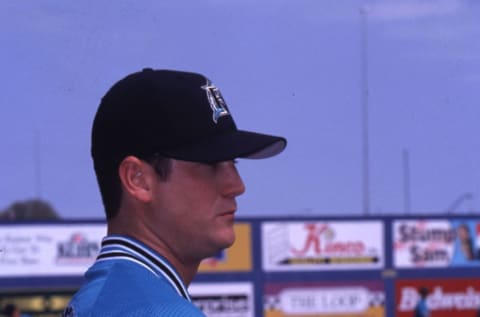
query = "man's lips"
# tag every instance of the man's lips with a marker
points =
(228, 213)
(229, 208)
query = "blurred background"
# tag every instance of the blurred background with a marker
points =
(378, 101)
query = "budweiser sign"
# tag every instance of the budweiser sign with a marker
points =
(447, 297)
(439, 299)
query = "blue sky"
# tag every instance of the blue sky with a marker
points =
(284, 67)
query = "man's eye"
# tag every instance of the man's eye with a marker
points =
(216, 165)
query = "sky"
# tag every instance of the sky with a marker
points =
(299, 69)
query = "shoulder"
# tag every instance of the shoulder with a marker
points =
(123, 289)
(175, 308)
(181, 308)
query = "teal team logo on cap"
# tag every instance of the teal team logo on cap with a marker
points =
(217, 103)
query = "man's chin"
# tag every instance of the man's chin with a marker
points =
(224, 241)
(227, 242)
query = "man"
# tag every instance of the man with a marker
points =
(163, 147)
(421, 309)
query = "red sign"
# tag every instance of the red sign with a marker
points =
(446, 297)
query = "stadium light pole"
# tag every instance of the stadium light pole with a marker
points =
(406, 181)
(365, 95)
(37, 164)
(457, 202)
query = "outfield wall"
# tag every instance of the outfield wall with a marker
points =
(282, 266)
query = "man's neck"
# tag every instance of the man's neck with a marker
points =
(187, 268)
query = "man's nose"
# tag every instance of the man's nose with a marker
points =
(234, 185)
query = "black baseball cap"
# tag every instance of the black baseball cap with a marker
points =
(174, 114)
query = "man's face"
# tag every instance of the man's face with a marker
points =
(194, 209)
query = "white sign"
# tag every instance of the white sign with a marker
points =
(224, 299)
(295, 246)
(48, 250)
(326, 300)
(423, 243)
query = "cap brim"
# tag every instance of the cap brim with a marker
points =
(229, 146)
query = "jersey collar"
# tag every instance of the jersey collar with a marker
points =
(127, 248)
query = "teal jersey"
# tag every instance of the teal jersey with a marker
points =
(129, 279)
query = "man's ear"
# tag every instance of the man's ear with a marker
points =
(133, 174)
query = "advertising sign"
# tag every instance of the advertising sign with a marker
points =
(339, 299)
(333, 245)
(48, 250)
(41, 303)
(444, 297)
(436, 243)
(223, 299)
(237, 258)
